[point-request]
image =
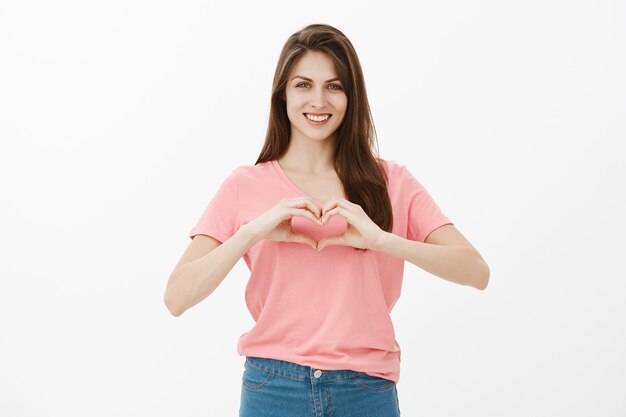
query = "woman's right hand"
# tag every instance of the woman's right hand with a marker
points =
(275, 224)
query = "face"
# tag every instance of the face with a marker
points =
(313, 88)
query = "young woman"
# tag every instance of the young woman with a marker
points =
(325, 228)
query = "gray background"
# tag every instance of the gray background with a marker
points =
(120, 119)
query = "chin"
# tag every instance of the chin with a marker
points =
(320, 135)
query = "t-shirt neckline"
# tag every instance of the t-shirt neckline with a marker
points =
(290, 183)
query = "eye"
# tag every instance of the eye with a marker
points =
(338, 87)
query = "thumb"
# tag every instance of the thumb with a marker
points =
(335, 240)
(298, 238)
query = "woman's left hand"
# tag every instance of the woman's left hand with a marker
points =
(361, 232)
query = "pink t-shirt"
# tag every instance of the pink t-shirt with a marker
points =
(328, 309)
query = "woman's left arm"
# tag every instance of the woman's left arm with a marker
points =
(445, 253)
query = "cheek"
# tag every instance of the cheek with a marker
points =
(341, 103)
(295, 103)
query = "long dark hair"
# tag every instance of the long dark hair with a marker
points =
(360, 171)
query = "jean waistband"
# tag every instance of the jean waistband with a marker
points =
(299, 372)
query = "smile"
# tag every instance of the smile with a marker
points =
(317, 120)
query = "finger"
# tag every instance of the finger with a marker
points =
(308, 202)
(337, 210)
(328, 206)
(335, 202)
(304, 213)
(315, 209)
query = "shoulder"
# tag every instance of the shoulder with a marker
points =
(249, 171)
(395, 170)
(252, 175)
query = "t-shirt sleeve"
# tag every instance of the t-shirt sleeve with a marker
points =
(220, 218)
(424, 215)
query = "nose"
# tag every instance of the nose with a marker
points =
(318, 97)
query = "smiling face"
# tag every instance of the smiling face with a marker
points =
(313, 88)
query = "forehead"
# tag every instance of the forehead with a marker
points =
(316, 65)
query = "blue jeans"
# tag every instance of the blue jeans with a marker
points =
(276, 388)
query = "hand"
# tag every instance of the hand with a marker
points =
(275, 224)
(361, 233)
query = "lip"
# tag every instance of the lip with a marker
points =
(314, 123)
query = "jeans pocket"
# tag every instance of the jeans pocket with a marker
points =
(255, 379)
(374, 383)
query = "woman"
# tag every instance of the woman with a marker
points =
(324, 227)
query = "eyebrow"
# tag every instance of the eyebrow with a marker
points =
(308, 79)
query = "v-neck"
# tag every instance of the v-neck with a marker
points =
(290, 183)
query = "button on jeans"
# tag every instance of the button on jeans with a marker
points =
(276, 388)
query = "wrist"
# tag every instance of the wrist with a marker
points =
(247, 230)
(381, 241)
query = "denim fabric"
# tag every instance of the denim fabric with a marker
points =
(276, 388)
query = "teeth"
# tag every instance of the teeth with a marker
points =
(317, 118)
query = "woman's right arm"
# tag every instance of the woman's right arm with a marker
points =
(206, 262)
(203, 267)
